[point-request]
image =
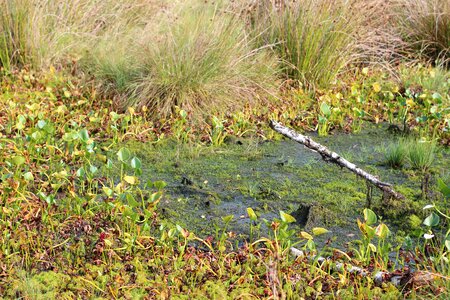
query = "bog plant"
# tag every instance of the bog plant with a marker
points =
(201, 62)
(314, 39)
(425, 25)
(421, 154)
(395, 154)
(368, 248)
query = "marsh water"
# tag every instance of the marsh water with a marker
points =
(208, 183)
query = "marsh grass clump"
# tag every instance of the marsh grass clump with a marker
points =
(200, 61)
(317, 40)
(425, 26)
(313, 38)
(39, 33)
(15, 47)
(395, 154)
(421, 154)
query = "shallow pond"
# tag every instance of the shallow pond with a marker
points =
(208, 183)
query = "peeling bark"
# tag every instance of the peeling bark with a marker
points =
(335, 158)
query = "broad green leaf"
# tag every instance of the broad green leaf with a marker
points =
(444, 188)
(447, 244)
(131, 201)
(370, 231)
(382, 231)
(131, 179)
(41, 124)
(306, 235)
(369, 216)
(28, 176)
(84, 135)
(124, 154)
(251, 214)
(228, 218)
(325, 109)
(21, 121)
(109, 164)
(18, 160)
(432, 220)
(80, 172)
(108, 192)
(311, 245)
(319, 230)
(159, 185)
(155, 197)
(287, 218)
(135, 163)
(93, 169)
(372, 247)
(437, 96)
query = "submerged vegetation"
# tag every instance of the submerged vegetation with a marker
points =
(99, 100)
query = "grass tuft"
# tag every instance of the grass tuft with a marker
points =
(395, 155)
(201, 61)
(421, 154)
(425, 25)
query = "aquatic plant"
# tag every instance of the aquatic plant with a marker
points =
(77, 218)
(395, 154)
(421, 154)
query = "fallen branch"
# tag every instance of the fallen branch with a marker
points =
(333, 157)
(397, 278)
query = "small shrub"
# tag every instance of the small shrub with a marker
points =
(425, 25)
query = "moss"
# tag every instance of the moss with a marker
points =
(273, 176)
(44, 285)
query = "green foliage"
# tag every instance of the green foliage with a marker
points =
(396, 154)
(77, 218)
(421, 154)
(315, 39)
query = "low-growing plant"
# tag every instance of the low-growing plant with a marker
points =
(324, 123)
(421, 154)
(395, 154)
(367, 249)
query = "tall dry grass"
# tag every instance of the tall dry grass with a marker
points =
(43, 32)
(425, 26)
(199, 59)
(319, 39)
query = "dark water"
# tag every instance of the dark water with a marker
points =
(208, 183)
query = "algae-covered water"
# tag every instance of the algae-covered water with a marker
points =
(208, 183)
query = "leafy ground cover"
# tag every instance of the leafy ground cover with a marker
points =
(77, 222)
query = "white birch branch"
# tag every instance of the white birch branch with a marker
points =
(333, 157)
